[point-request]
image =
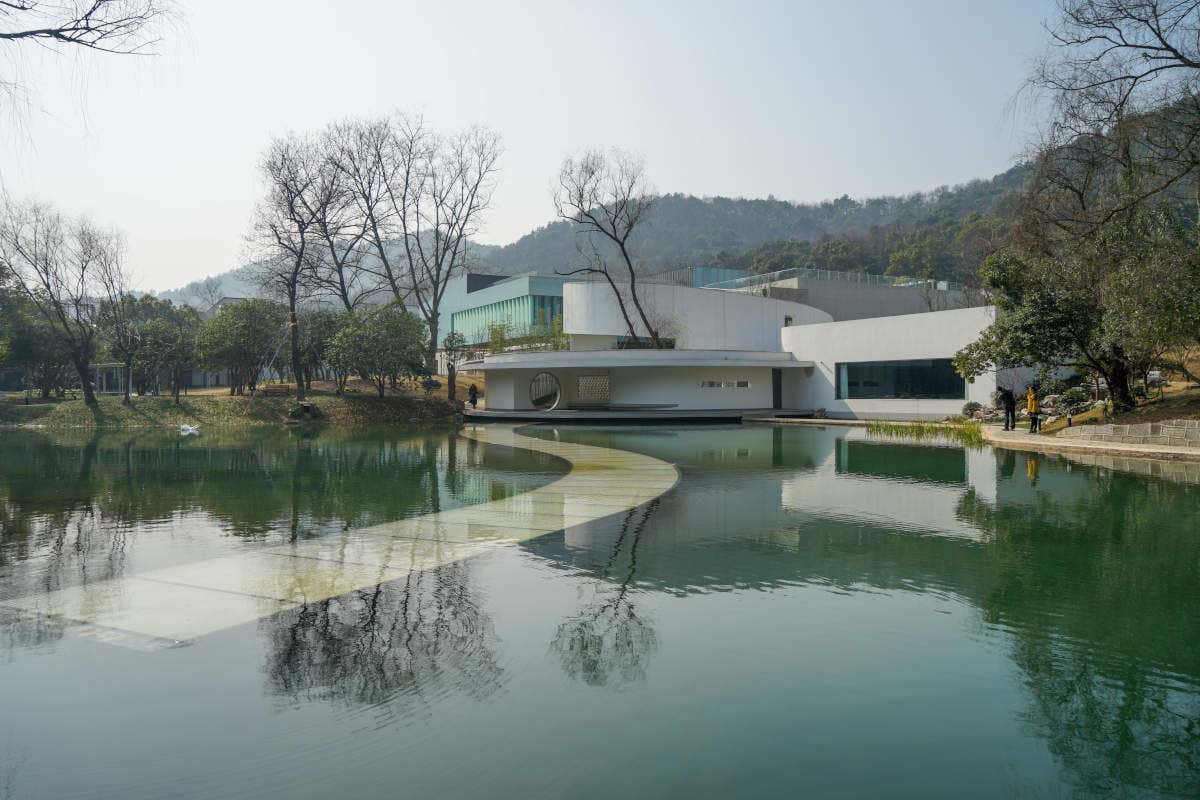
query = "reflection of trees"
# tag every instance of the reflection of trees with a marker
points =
(67, 506)
(608, 643)
(54, 523)
(410, 639)
(391, 647)
(1101, 598)
(253, 486)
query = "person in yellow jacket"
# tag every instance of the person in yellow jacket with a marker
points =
(1035, 410)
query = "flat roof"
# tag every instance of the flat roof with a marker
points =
(565, 359)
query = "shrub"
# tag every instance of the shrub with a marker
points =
(1075, 399)
(969, 409)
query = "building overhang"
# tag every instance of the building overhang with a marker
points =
(622, 359)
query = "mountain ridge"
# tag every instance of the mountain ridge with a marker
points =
(685, 230)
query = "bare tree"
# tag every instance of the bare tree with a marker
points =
(1123, 80)
(285, 229)
(340, 227)
(607, 197)
(205, 294)
(55, 263)
(118, 316)
(441, 187)
(114, 26)
(373, 170)
(418, 198)
(127, 27)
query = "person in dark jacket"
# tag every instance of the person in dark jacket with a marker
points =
(473, 396)
(1008, 401)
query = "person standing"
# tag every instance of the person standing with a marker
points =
(1008, 401)
(1031, 405)
(473, 396)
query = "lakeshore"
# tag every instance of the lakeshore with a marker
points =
(232, 411)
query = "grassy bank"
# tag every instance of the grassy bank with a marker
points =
(222, 410)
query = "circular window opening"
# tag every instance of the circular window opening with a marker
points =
(544, 391)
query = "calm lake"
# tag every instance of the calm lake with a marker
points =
(807, 612)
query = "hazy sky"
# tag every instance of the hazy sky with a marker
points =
(801, 100)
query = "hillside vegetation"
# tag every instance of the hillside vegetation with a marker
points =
(761, 235)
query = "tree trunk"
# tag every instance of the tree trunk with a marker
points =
(85, 382)
(654, 340)
(128, 377)
(621, 305)
(451, 380)
(431, 356)
(1117, 376)
(297, 369)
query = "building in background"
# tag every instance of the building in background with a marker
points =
(732, 348)
(852, 295)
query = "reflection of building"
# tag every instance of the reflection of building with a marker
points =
(900, 486)
(740, 348)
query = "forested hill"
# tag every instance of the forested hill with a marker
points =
(920, 233)
(686, 230)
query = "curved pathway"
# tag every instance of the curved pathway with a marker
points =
(166, 607)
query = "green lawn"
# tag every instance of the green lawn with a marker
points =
(226, 411)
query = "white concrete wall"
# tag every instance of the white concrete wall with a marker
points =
(681, 385)
(508, 390)
(938, 334)
(698, 319)
(500, 391)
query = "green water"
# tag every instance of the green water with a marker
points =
(807, 613)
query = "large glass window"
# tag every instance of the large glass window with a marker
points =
(924, 379)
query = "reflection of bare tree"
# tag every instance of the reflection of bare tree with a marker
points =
(607, 643)
(392, 647)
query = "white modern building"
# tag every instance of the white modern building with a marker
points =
(734, 349)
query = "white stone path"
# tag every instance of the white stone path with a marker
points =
(171, 606)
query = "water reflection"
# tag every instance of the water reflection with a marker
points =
(397, 647)
(608, 642)
(1094, 575)
(1101, 601)
(1077, 585)
(67, 506)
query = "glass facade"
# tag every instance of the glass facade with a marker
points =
(522, 313)
(922, 379)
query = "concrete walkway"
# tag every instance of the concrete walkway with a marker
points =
(1019, 440)
(822, 422)
(168, 607)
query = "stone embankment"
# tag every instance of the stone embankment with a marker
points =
(1171, 470)
(1171, 433)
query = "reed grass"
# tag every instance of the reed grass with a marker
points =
(969, 433)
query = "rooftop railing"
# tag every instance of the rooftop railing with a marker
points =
(897, 281)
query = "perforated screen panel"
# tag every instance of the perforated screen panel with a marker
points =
(592, 389)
